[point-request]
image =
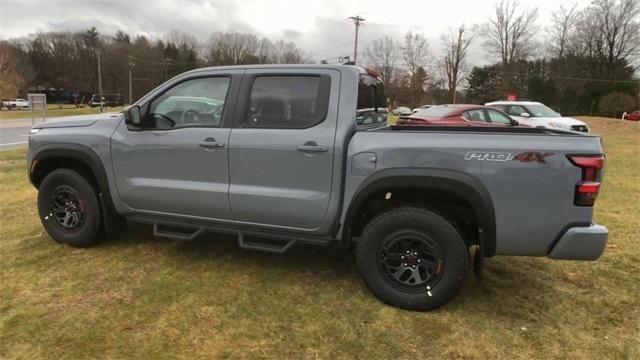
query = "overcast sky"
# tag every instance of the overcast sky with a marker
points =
(318, 27)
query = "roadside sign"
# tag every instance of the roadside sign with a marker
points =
(37, 102)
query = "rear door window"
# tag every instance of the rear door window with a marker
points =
(288, 102)
(475, 115)
(516, 110)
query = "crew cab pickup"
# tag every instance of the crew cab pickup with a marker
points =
(280, 155)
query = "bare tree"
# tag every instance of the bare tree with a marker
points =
(610, 30)
(509, 36)
(510, 32)
(455, 44)
(237, 48)
(12, 79)
(382, 54)
(563, 22)
(181, 38)
(414, 53)
(287, 53)
(231, 48)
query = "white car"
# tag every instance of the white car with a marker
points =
(423, 107)
(402, 110)
(537, 114)
(16, 104)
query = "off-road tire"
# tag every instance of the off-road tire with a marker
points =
(421, 222)
(87, 232)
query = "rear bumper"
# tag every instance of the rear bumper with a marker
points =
(581, 243)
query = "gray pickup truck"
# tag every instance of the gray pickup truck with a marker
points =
(285, 155)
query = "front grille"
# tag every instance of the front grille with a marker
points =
(582, 128)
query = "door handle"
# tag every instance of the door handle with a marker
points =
(312, 146)
(210, 144)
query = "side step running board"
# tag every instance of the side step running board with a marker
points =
(268, 245)
(177, 232)
(250, 240)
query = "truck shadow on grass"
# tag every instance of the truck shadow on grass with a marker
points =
(510, 285)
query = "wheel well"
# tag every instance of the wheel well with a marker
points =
(451, 205)
(47, 165)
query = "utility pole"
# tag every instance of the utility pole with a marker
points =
(130, 79)
(98, 54)
(356, 21)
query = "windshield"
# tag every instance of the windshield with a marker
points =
(541, 111)
(372, 103)
(434, 112)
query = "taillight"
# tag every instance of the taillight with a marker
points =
(587, 189)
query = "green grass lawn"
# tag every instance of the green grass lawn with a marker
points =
(56, 111)
(137, 296)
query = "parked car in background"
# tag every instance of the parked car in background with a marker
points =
(537, 114)
(423, 107)
(16, 104)
(107, 100)
(459, 115)
(632, 116)
(402, 110)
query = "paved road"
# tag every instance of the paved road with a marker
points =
(14, 132)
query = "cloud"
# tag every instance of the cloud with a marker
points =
(318, 27)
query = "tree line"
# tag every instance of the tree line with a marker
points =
(68, 60)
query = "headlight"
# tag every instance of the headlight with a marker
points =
(34, 131)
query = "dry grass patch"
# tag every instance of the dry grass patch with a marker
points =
(139, 296)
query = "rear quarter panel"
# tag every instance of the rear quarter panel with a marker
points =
(533, 199)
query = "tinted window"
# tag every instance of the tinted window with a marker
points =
(288, 102)
(516, 110)
(499, 118)
(475, 115)
(197, 102)
(541, 111)
(372, 103)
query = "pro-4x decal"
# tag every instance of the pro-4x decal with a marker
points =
(524, 157)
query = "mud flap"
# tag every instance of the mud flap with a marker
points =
(478, 257)
(112, 222)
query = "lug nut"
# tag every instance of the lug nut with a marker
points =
(415, 253)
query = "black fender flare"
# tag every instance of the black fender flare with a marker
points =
(463, 184)
(88, 157)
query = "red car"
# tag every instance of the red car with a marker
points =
(459, 115)
(633, 116)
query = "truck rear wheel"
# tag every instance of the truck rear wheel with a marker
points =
(69, 208)
(412, 258)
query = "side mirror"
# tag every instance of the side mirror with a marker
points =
(525, 114)
(514, 122)
(132, 116)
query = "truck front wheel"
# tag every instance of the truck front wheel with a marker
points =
(69, 208)
(412, 258)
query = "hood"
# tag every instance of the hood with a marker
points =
(77, 120)
(565, 121)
